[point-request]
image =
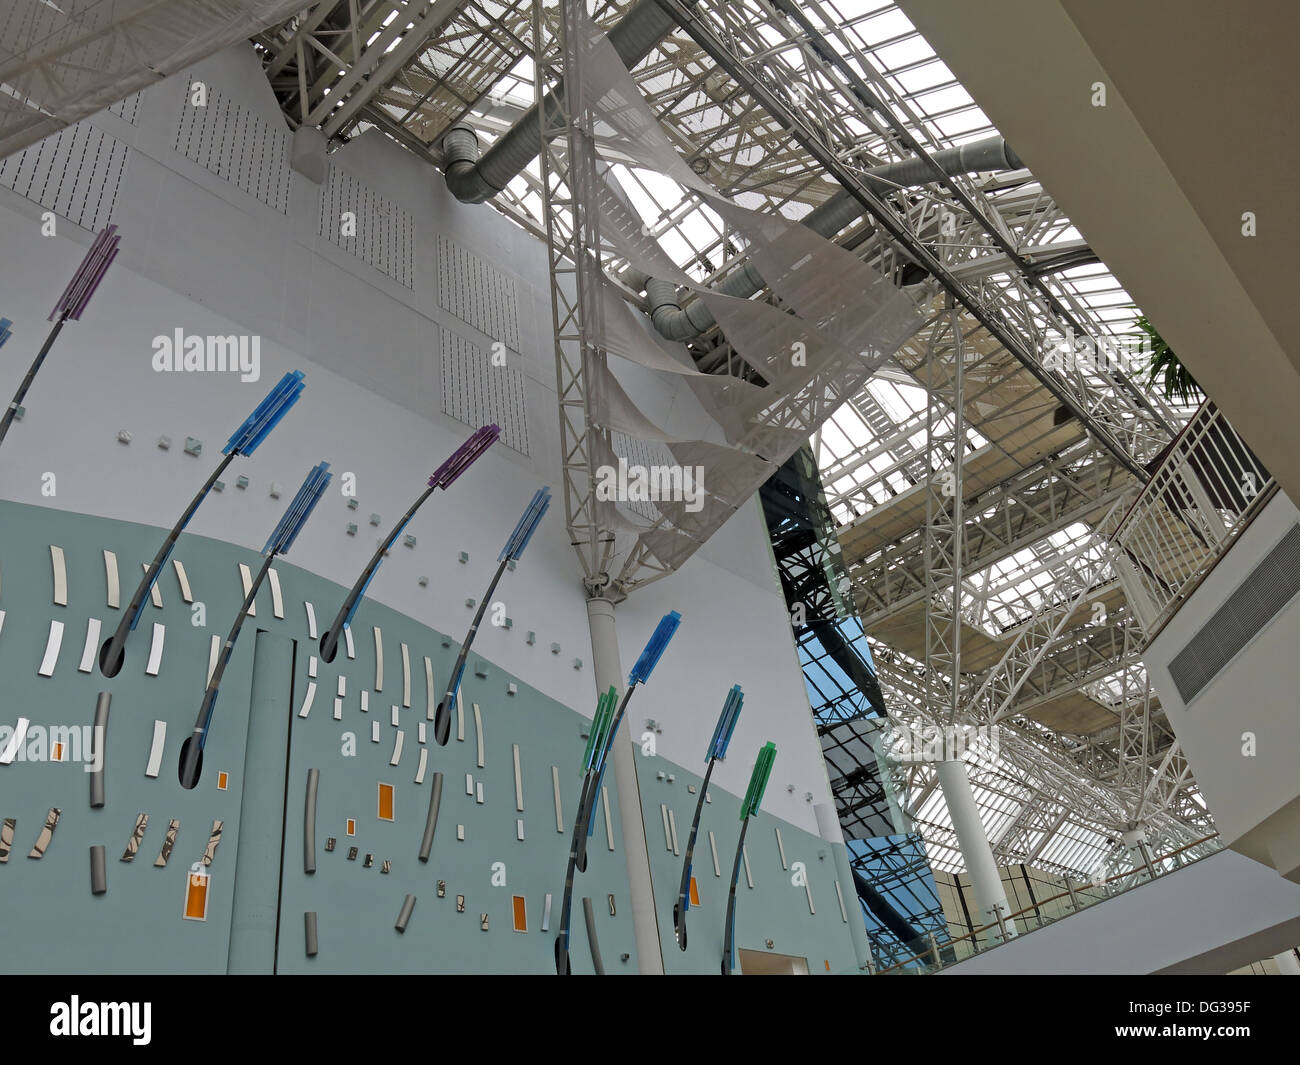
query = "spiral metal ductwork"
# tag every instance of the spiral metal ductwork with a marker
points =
(472, 179)
(676, 321)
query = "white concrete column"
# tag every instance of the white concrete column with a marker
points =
(608, 669)
(980, 864)
(1287, 963)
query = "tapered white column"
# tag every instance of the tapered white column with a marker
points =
(608, 669)
(980, 864)
(828, 827)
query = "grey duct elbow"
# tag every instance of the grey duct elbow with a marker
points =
(460, 168)
(671, 320)
(474, 180)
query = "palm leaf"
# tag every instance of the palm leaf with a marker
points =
(1176, 381)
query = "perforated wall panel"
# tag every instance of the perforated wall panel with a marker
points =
(75, 174)
(1256, 602)
(235, 144)
(376, 230)
(478, 393)
(640, 453)
(128, 109)
(478, 293)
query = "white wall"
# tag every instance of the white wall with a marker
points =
(1211, 917)
(201, 255)
(1255, 693)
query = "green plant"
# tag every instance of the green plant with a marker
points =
(1175, 380)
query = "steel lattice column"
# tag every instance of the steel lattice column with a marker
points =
(568, 172)
(945, 439)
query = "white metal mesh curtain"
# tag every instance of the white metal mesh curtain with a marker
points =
(832, 323)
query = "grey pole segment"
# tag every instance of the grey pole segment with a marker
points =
(431, 819)
(408, 906)
(99, 735)
(98, 870)
(309, 822)
(608, 670)
(590, 916)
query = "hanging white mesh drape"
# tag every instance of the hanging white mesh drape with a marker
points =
(831, 323)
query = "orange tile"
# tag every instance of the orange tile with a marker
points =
(695, 893)
(521, 913)
(385, 802)
(352, 826)
(58, 752)
(196, 897)
(223, 781)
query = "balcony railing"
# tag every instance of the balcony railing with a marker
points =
(1075, 897)
(1204, 490)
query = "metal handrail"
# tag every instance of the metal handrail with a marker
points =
(1206, 490)
(1000, 922)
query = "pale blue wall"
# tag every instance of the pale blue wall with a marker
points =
(137, 925)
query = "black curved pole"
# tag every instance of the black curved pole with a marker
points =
(21, 394)
(729, 937)
(566, 907)
(110, 655)
(192, 755)
(329, 644)
(683, 903)
(442, 718)
(581, 828)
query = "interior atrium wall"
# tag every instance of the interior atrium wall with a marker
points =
(392, 328)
